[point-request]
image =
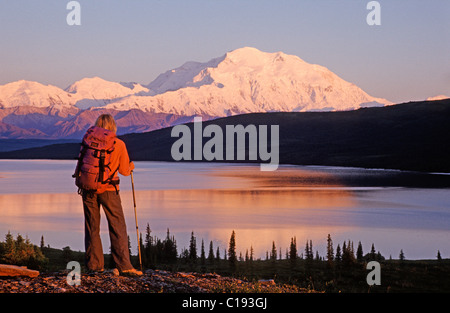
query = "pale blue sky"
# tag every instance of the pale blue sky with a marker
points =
(406, 58)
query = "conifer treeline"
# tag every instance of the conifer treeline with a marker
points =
(157, 251)
(22, 252)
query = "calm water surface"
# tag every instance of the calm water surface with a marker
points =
(391, 209)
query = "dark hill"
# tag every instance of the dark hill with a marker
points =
(408, 136)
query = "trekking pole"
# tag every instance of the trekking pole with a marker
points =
(135, 216)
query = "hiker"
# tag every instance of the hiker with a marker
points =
(106, 194)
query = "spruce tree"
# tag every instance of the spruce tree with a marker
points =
(148, 238)
(372, 252)
(338, 257)
(193, 248)
(9, 254)
(359, 252)
(148, 253)
(307, 250)
(330, 251)
(141, 247)
(348, 257)
(218, 254)
(232, 250)
(42, 245)
(273, 254)
(169, 249)
(202, 255)
(293, 249)
(211, 253)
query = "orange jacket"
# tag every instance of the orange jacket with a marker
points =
(121, 161)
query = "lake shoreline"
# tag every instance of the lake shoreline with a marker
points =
(407, 136)
(213, 199)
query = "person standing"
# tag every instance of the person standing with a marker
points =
(109, 198)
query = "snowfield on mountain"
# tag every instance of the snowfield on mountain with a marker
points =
(245, 80)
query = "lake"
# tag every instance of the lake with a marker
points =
(393, 210)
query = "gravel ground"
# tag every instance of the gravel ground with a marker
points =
(153, 281)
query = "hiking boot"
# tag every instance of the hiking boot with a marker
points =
(95, 272)
(132, 272)
(115, 272)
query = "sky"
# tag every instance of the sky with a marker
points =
(405, 58)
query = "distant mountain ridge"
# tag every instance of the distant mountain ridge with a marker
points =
(245, 80)
(411, 136)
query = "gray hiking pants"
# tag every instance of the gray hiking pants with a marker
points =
(112, 206)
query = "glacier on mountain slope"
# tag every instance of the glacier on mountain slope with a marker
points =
(241, 81)
(248, 80)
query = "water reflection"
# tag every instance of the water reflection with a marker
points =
(212, 200)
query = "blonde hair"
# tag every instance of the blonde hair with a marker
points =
(106, 121)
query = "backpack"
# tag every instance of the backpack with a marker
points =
(93, 172)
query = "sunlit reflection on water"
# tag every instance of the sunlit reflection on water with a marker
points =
(39, 198)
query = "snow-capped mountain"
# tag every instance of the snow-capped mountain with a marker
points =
(241, 81)
(248, 80)
(28, 93)
(97, 92)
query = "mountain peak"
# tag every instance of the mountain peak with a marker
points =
(97, 92)
(92, 85)
(246, 52)
(30, 93)
(73, 88)
(24, 84)
(243, 80)
(250, 55)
